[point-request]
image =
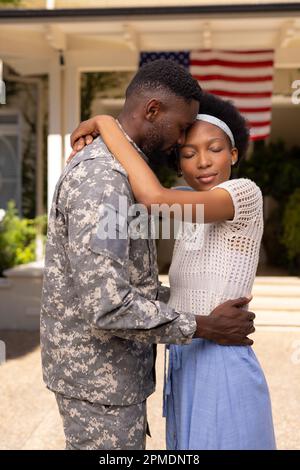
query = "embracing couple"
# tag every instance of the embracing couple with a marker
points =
(103, 308)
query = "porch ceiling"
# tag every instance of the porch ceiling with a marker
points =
(28, 46)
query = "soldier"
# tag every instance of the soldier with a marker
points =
(103, 310)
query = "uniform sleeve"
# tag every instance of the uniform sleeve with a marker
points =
(100, 270)
(247, 201)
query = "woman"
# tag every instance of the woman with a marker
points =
(216, 397)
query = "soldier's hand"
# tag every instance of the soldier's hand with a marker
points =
(228, 324)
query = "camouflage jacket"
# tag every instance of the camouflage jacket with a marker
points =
(102, 311)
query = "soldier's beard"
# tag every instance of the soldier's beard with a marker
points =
(152, 148)
(157, 159)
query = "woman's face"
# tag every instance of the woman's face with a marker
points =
(206, 157)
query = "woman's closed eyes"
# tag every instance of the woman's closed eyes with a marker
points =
(191, 153)
(216, 149)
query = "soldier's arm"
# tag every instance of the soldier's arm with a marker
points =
(100, 268)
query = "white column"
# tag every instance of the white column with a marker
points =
(2, 85)
(50, 4)
(40, 150)
(71, 109)
(55, 148)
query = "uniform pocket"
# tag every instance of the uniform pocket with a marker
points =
(110, 236)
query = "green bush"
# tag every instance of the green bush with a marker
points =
(17, 238)
(276, 170)
(10, 2)
(272, 239)
(291, 232)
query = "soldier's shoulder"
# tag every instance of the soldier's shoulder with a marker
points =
(94, 163)
(89, 173)
(95, 155)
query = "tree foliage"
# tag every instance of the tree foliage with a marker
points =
(18, 237)
(10, 2)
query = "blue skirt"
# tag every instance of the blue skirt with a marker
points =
(216, 398)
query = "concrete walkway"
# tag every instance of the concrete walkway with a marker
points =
(28, 413)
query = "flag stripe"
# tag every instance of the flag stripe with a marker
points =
(234, 51)
(234, 78)
(249, 88)
(261, 51)
(257, 110)
(231, 63)
(259, 123)
(260, 137)
(233, 94)
(257, 117)
(259, 131)
(230, 71)
(210, 55)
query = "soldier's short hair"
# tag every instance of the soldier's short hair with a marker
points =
(168, 76)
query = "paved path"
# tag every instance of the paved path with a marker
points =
(28, 414)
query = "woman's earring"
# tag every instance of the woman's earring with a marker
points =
(179, 173)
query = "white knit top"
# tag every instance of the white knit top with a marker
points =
(222, 264)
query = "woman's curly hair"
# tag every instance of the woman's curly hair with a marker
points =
(227, 112)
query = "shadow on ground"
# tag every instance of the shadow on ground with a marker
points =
(19, 343)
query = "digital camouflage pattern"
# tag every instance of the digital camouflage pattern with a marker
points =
(101, 314)
(105, 426)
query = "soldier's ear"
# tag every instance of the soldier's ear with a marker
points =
(153, 108)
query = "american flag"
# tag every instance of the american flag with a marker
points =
(243, 77)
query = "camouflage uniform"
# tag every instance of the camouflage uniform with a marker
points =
(101, 310)
(91, 426)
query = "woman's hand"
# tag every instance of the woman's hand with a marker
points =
(85, 133)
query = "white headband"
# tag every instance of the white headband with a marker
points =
(217, 122)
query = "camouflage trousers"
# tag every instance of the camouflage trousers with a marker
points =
(92, 426)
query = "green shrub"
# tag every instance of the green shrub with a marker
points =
(272, 239)
(17, 238)
(10, 2)
(274, 168)
(291, 225)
